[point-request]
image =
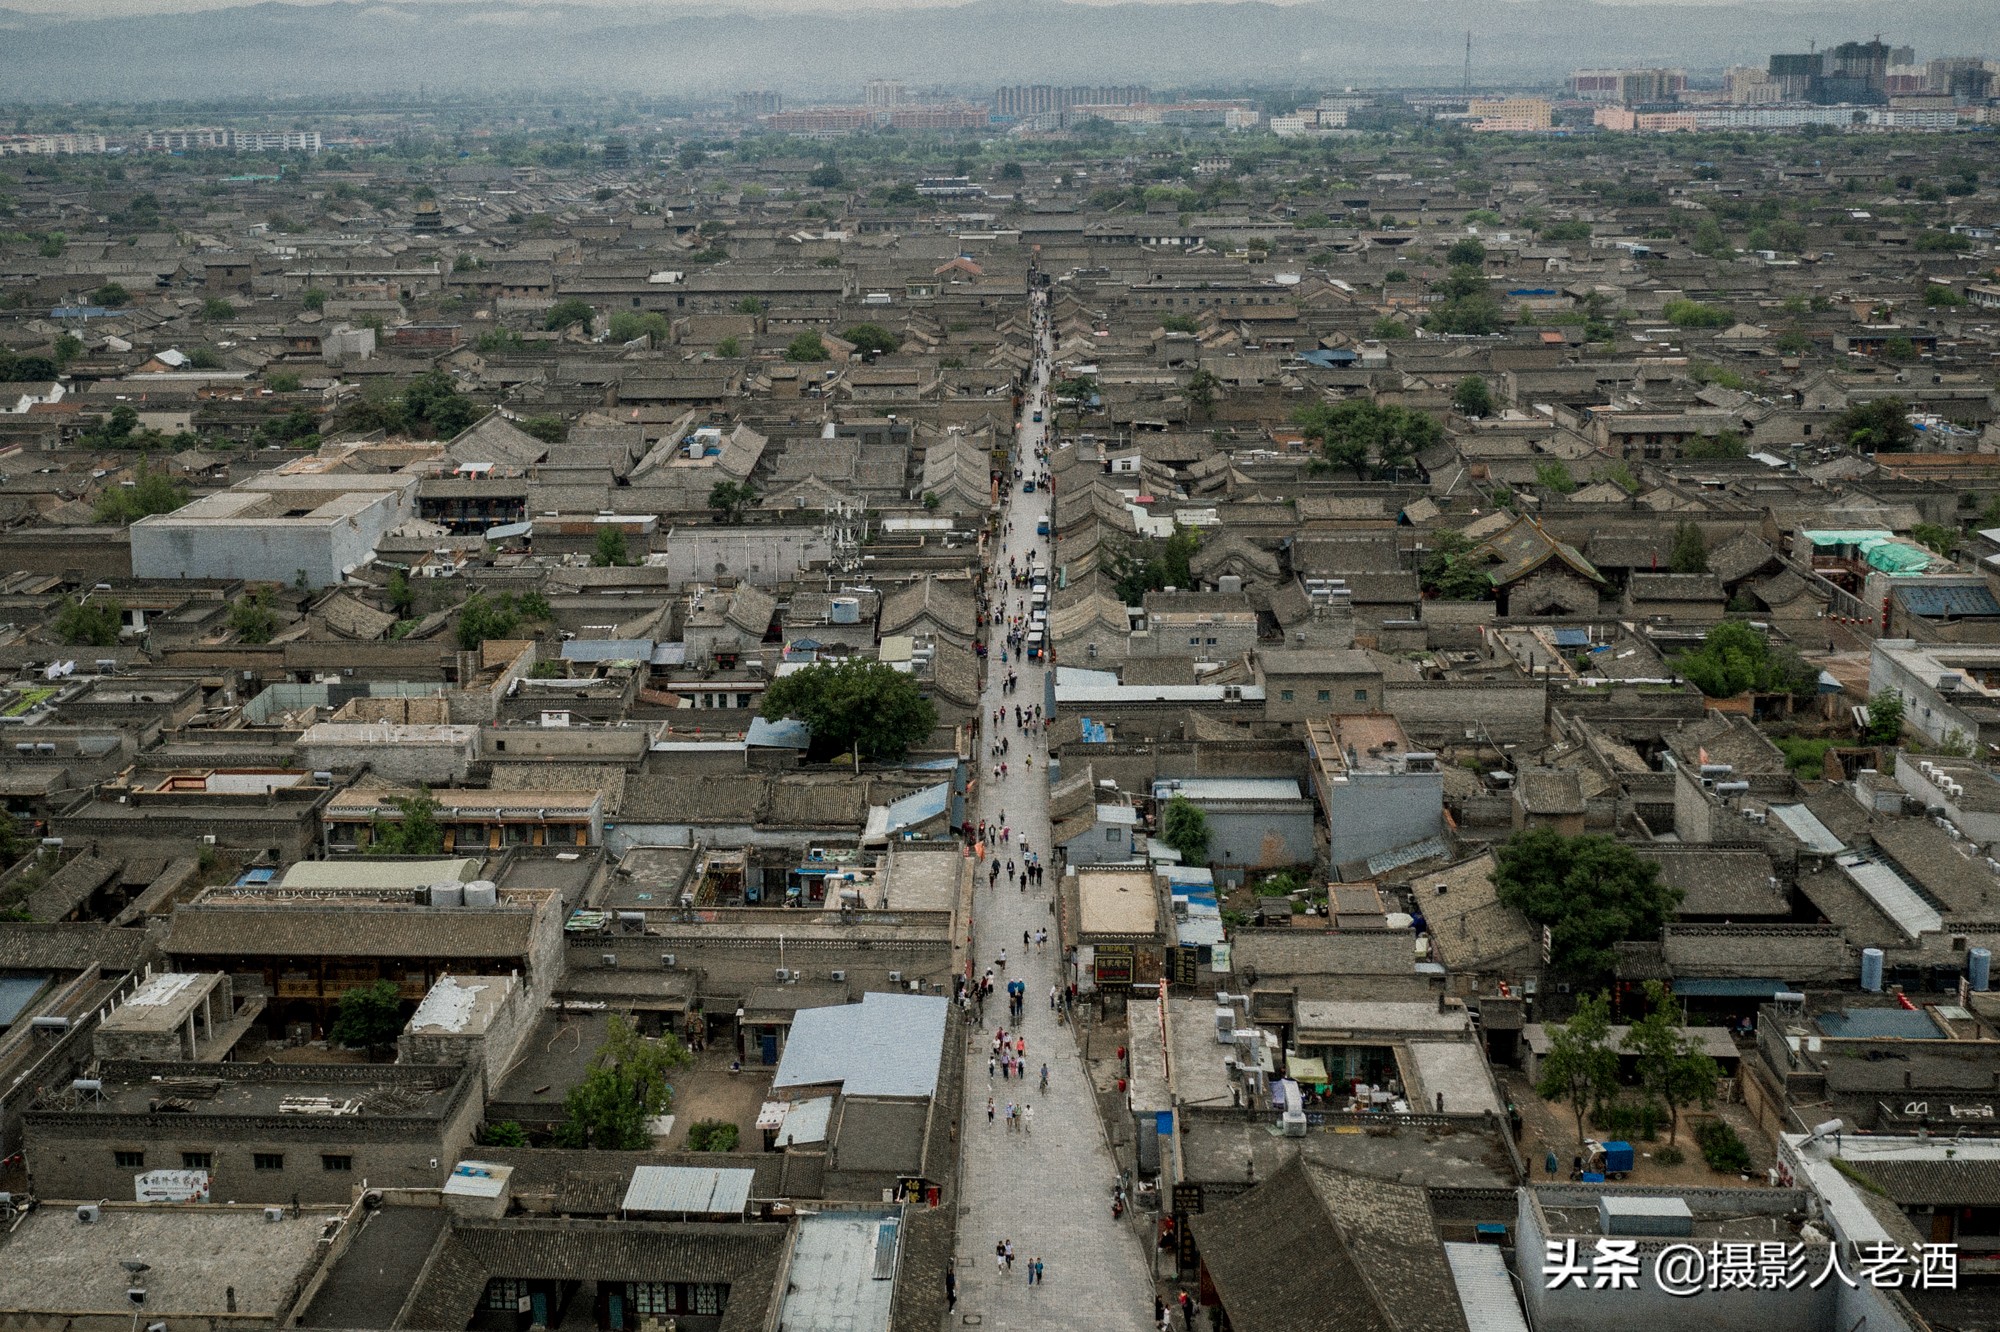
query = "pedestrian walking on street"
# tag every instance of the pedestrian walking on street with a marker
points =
(1038, 1271)
(1028, 1120)
(989, 1105)
(990, 1062)
(1010, 1253)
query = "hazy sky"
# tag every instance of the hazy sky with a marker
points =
(111, 8)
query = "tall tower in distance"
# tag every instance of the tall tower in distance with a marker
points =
(882, 94)
(1468, 61)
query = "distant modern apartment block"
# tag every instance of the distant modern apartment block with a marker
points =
(50, 145)
(211, 138)
(851, 119)
(1510, 115)
(881, 93)
(1627, 86)
(1043, 98)
(759, 102)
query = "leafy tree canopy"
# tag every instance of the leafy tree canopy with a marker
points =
(91, 623)
(856, 703)
(871, 339)
(1356, 433)
(1879, 426)
(570, 310)
(806, 347)
(626, 1086)
(1184, 827)
(1734, 659)
(1591, 891)
(369, 1017)
(416, 832)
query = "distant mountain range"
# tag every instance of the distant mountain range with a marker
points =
(494, 47)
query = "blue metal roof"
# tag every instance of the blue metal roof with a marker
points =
(1901, 1023)
(1947, 602)
(918, 806)
(1572, 637)
(886, 1045)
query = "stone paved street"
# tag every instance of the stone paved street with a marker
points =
(1047, 1188)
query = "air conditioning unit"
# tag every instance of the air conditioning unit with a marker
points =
(836, 975)
(610, 959)
(274, 1214)
(816, 853)
(208, 839)
(667, 961)
(87, 1213)
(1225, 1025)
(895, 978)
(781, 975)
(1295, 1123)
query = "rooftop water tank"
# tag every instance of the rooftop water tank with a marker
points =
(1871, 970)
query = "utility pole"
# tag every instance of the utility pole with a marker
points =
(1468, 62)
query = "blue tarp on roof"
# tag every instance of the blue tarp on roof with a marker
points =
(1335, 358)
(1949, 602)
(785, 733)
(1728, 987)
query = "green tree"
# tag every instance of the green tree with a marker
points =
(1723, 444)
(712, 1135)
(215, 309)
(1139, 567)
(1672, 1068)
(1012, 171)
(1682, 313)
(1353, 431)
(729, 348)
(535, 606)
(1591, 891)
(1184, 827)
(314, 298)
(1936, 295)
(505, 1133)
(414, 832)
(92, 623)
(68, 346)
(1690, 552)
(1450, 572)
(1202, 389)
(1885, 717)
(1881, 425)
(570, 310)
(1467, 307)
(1387, 329)
(1944, 540)
(111, 295)
(625, 1087)
(631, 325)
(1581, 1067)
(548, 429)
(1179, 323)
(205, 358)
(150, 492)
(826, 176)
(806, 347)
(284, 381)
(402, 597)
(871, 340)
(1734, 659)
(1472, 398)
(493, 341)
(251, 618)
(1467, 252)
(859, 706)
(611, 551)
(432, 404)
(369, 1017)
(483, 617)
(730, 500)
(1554, 475)
(751, 305)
